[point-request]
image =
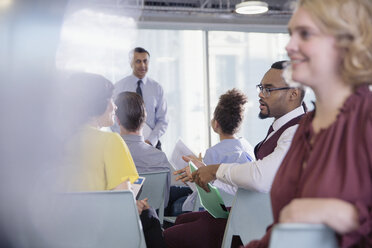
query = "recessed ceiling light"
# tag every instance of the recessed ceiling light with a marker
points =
(251, 7)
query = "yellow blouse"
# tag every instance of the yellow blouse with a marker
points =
(98, 160)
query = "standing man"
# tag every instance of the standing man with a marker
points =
(151, 92)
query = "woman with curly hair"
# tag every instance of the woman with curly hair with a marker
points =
(226, 122)
(227, 119)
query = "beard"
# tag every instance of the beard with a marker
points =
(263, 116)
(266, 115)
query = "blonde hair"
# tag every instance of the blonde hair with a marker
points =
(350, 22)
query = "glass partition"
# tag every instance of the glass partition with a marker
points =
(99, 42)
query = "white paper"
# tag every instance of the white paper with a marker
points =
(180, 149)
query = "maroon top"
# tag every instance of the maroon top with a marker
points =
(338, 165)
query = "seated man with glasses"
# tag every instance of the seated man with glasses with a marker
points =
(277, 100)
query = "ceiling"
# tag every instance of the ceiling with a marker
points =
(214, 14)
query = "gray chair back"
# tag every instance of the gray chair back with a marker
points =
(154, 188)
(92, 220)
(249, 217)
(291, 235)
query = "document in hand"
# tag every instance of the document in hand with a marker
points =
(211, 201)
(180, 149)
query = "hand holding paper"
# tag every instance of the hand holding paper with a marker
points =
(179, 164)
(204, 175)
(211, 199)
(180, 149)
(184, 175)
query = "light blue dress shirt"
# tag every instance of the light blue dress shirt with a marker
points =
(147, 158)
(156, 106)
(229, 151)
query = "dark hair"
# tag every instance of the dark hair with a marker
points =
(141, 50)
(87, 96)
(130, 110)
(230, 110)
(279, 65)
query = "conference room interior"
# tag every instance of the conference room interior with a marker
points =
(199, 50)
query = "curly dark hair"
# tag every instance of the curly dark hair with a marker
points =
(229, 112)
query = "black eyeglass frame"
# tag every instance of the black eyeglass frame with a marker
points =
(266, 91)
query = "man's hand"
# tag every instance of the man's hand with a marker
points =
(142, 205)
(204, 175)
(148, 142)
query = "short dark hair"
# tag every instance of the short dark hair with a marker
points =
(229, 112)
(88, 94)
(279, 64)
(130, 110)
(136, 50)
(141, 50)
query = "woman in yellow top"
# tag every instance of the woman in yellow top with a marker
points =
(100, 160)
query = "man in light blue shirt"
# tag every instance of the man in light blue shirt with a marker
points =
(131, 117)
(151, 92)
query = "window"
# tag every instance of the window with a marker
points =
(99, 42)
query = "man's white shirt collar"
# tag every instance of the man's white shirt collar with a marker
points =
(287, 117)
(144, 79)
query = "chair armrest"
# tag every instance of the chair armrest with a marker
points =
(302, 235)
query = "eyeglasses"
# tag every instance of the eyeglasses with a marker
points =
(266, 91)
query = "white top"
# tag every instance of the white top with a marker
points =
(156, 106)
(259, 175)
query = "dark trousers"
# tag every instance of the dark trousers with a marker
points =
(195, 229)
(177, 196)
(198, 229)
(152, 229)
(158, 145)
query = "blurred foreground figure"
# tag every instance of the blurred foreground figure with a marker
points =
(326, 176)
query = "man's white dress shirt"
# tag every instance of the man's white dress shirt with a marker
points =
(156, 106)
(259, 175)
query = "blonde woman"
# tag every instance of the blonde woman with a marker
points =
(326, 176)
